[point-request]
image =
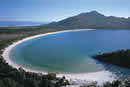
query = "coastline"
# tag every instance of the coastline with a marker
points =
(83, 78)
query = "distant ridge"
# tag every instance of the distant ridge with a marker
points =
(93, 20)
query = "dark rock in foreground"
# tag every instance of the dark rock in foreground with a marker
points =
(10, 77)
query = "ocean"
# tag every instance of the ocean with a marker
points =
(19, 23)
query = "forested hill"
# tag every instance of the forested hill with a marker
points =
(120, 58)
(92, 19)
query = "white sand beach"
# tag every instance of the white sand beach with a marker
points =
(100, 77)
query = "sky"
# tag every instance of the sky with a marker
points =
(55, 10)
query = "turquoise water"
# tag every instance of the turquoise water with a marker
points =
(70, 52)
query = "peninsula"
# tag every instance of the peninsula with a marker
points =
(120, 58)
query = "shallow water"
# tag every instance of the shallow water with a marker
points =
(70, 52)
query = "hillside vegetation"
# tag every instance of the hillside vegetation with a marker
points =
(119, 58)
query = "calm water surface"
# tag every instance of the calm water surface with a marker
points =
(70, 52)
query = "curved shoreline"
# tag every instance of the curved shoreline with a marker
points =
(95, 76)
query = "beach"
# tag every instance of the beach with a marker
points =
(74, 78)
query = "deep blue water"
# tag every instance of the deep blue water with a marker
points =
(19, 23)
(70, 52)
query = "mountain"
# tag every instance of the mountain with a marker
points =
(92, 19)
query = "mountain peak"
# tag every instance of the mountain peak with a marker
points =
(94, 20)
(92, 13)
(95, 13)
